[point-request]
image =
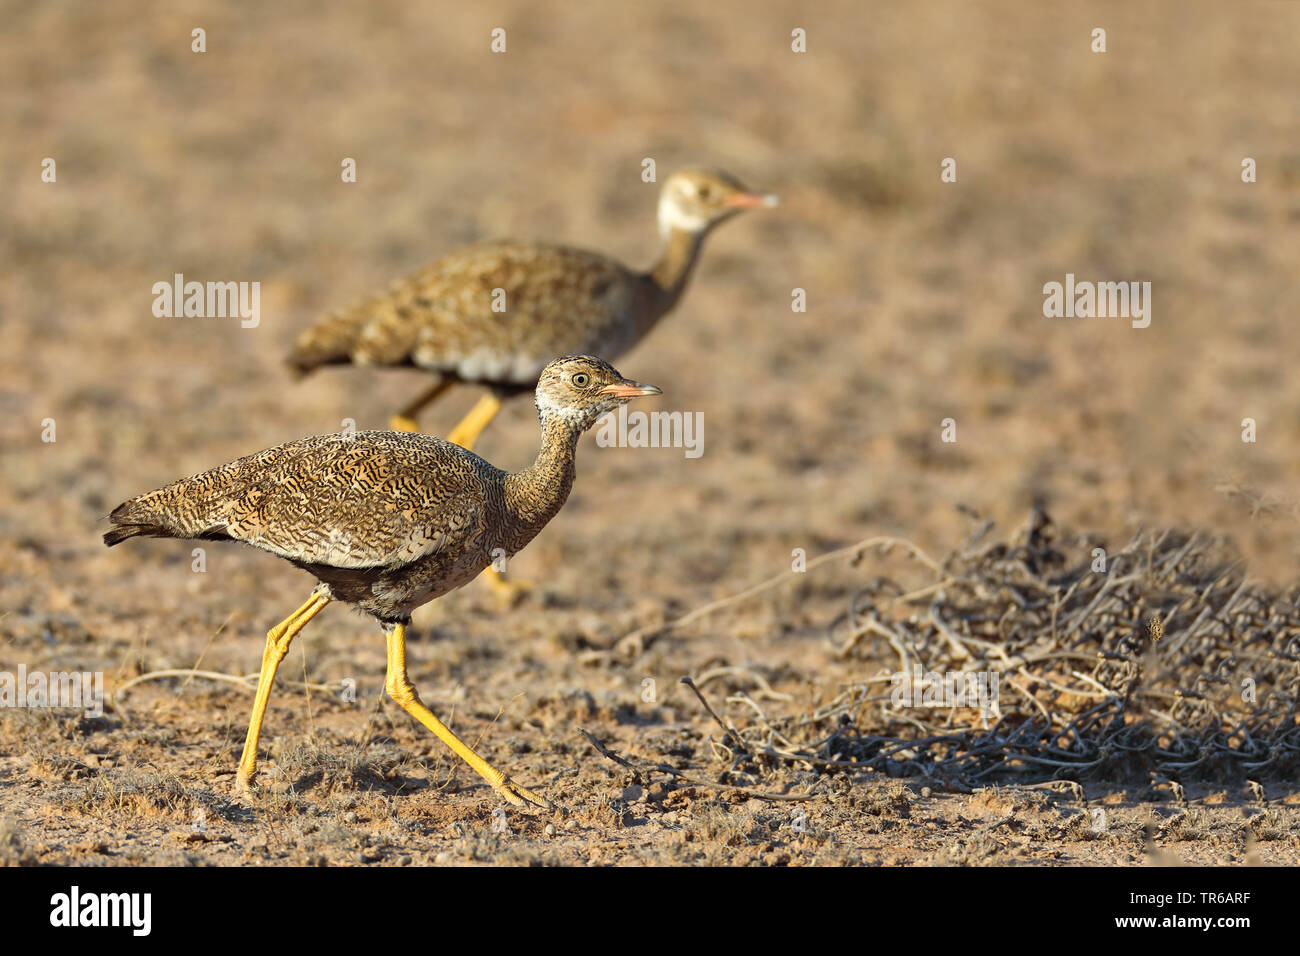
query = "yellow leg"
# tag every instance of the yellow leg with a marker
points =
(466, 434)
(471, 426)
(404, 421)
(399, 688)
(508, 590)
(278, 640)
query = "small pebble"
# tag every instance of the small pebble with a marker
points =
(925, 791)
(550, 829)
(350, 817)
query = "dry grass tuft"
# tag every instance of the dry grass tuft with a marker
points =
(137, 794)
(347, 768)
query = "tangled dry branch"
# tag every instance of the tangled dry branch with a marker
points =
(1159, 661)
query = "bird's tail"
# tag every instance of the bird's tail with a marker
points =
(133, 518)
(331, 342)
(152, 516)
(122, 532)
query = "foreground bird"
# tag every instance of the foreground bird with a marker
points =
(386, 521)
(494, 314)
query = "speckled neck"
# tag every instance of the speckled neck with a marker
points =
(537, 493)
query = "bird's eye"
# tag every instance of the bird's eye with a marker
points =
(581, 379)
(705, 194)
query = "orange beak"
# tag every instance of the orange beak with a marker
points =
(752, 201)
(626, 389)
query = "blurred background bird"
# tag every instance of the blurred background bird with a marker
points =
(495, 313)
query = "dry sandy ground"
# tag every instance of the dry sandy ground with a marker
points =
(821, 428)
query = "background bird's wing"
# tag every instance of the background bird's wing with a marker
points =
(496, 311)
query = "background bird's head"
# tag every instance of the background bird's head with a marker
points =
(578, 389)
(696, 200)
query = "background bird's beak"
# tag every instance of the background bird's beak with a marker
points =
(752, 201)
(626, 389)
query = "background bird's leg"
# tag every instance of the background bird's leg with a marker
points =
(508, 590)
(278, 640)
(471, 426)
(465, 435)
(404, 421)
(400, 688)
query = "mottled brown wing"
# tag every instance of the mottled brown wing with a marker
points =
(377, 499)
(495, 312)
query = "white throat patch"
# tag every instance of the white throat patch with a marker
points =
(548, 408)
(673, 216)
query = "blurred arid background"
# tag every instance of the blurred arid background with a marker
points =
(924, 302)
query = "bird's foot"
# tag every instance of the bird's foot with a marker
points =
(401, 423)
(521, 796)
(508, 590)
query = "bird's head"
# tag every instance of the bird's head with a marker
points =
(578, 389)
(696, 200)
